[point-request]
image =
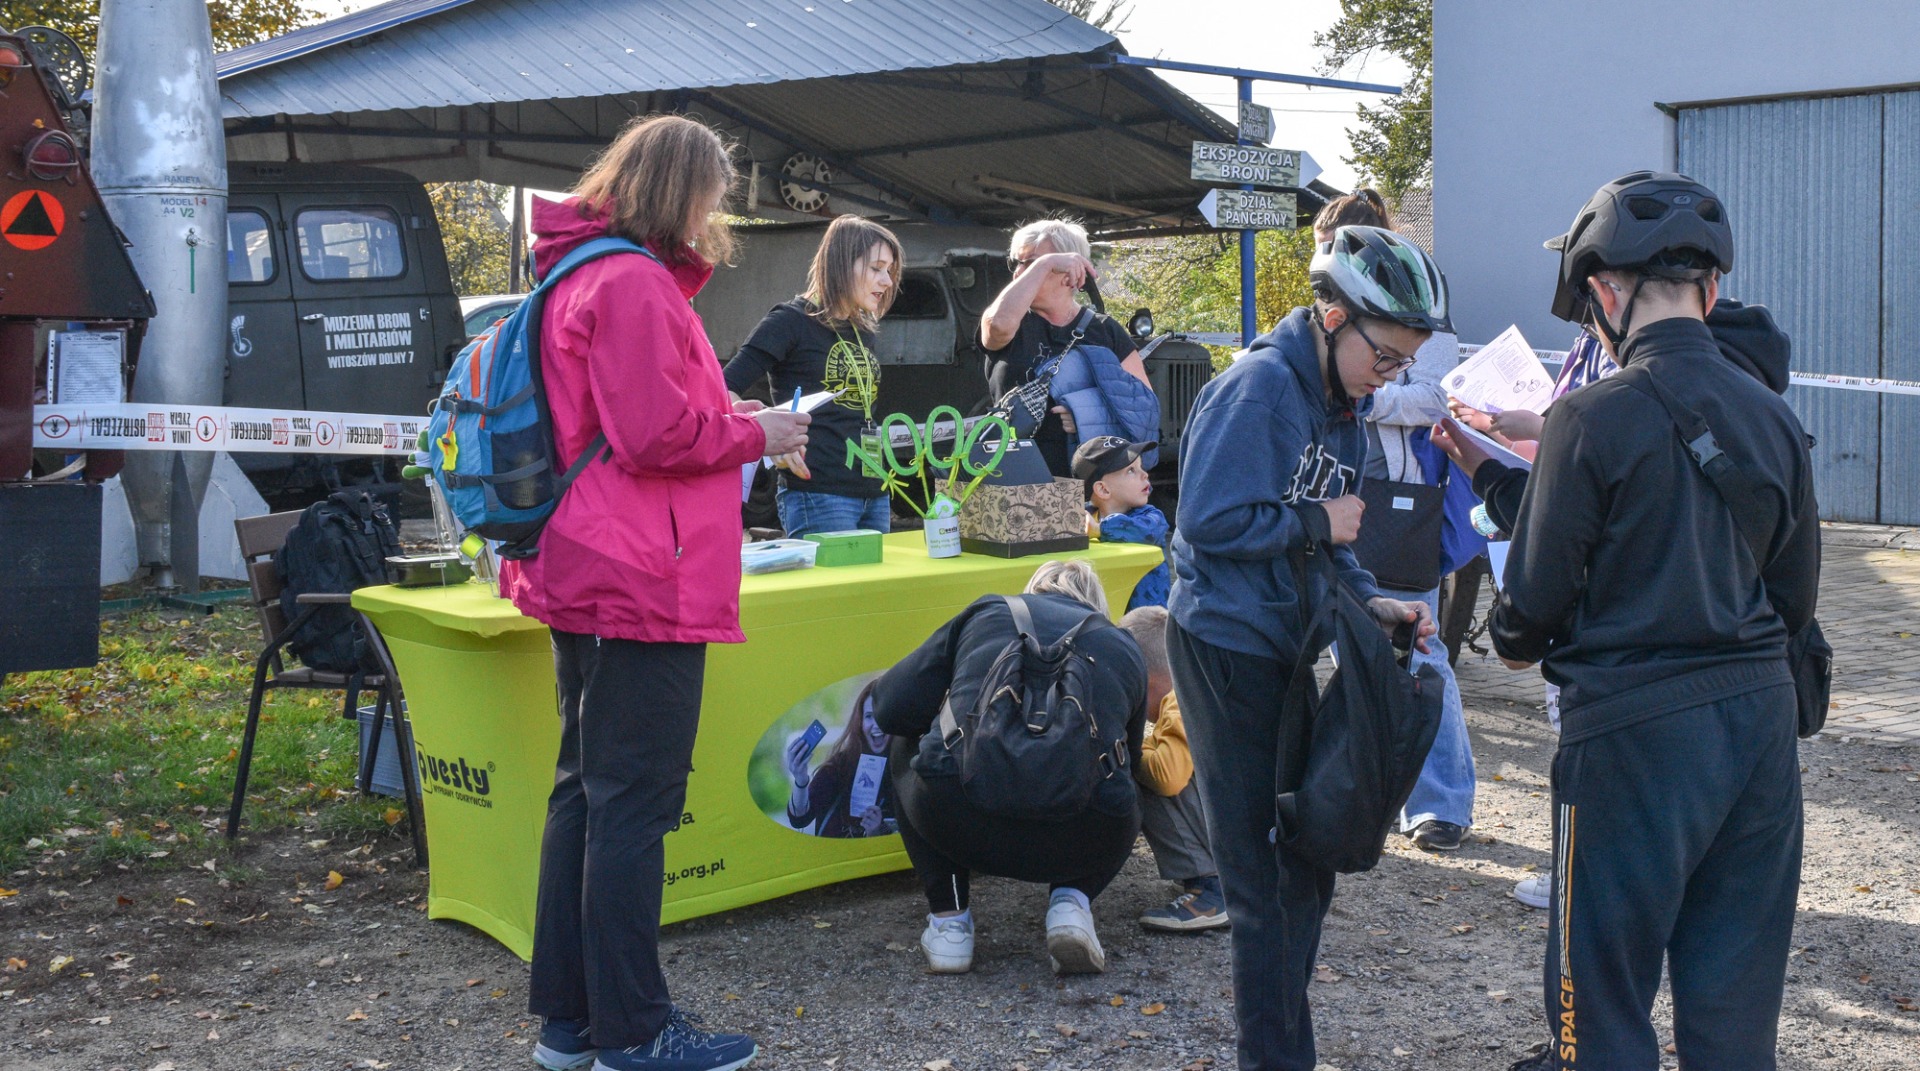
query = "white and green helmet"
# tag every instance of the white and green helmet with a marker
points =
(1382, 276)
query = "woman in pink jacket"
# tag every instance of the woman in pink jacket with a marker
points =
(637, 572)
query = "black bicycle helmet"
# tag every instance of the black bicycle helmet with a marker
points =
(1382, 276)
(1659, 223)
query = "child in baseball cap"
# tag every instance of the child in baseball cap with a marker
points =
(1117, 489)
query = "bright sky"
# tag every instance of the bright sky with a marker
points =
(1263, 35)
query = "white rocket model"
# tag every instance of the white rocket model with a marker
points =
(160, 161)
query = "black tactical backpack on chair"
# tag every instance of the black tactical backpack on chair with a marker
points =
(1031, 747)
(339, 544)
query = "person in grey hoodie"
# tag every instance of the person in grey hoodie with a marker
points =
(1270, 464)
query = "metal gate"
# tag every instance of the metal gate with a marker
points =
(1825, 199)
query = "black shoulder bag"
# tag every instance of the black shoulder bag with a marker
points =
(1809, 656)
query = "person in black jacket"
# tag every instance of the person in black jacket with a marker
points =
(1676, 789)
(947, 837)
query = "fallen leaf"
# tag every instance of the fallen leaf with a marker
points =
(123, 901)
(4, 893)
(730, 996)
(1065, 1030)
(1117, 1001)
(100, 1020)
(1326, 974)
(497, 994)
(184, 900)
(1153, 1009)
(164, 1065)
(334, 880)
(59, 963)
(937, 1065)
(358, 1016)
(213, 1035)
(15, 963)
(1670, 1050)
(471, 982)
(823, 925)
(895, 946)
(1863, 888)
(800, 1011)
(1499, 996)
(392, 815)
(1463, 929)
(1398, 1051)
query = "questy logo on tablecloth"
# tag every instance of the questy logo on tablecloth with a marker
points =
(464, 781)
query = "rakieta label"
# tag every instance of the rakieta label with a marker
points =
(55, 427)
(32, 220)
(206, 427)
(323, 432)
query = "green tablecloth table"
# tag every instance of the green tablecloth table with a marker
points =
(480, 694)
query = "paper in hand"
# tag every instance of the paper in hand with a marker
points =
(1503, 375)
(810, 402)
(1487, 445)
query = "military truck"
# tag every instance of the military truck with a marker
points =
(338, 298)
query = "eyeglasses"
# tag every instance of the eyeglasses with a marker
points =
(1385, 363)
(1015, 264)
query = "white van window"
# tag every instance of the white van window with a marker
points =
(350, 243)
(249, 247)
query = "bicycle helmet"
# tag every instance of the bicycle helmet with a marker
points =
(1382, 276)
(1654, 223)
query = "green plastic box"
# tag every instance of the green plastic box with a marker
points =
(859, 546)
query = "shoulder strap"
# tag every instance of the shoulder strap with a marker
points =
(594, 250)
(1022, 617)
(1735, 488)
(1083, 323)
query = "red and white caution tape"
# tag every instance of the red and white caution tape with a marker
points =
(137, 426)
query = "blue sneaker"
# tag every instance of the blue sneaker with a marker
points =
(564, 1045)
(1201, 907)
(682, 1046)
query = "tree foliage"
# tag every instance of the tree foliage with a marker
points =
(235, 22)
(478, 236)
(1192, 283)
(1110, 16)
(1393, 146)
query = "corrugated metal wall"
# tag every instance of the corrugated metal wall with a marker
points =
(1900, 310)
(1825, 200)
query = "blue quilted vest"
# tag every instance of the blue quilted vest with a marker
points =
(1104, 398)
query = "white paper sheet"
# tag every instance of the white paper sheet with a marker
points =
(1504, 375)
(87, 366)
(866, 785)
(1497, 557)
(1492, 448)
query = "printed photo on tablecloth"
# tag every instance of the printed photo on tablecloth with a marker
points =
(821, 768)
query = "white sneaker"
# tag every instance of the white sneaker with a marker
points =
(1072, 946)
(948, 944)
(1536, 891)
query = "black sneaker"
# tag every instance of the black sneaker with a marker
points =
(1437, 836)
(1540, 1058)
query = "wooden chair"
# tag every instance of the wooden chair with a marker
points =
(259, 538)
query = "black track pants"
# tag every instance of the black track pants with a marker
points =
(950, 839)
(1278, 899)
(628, 712)
(1679, 836)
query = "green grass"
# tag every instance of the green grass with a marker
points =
(131, 762)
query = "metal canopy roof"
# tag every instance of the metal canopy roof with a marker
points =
(987, 111)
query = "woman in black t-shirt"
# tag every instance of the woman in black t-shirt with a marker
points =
(819, 341)
(1032, 322)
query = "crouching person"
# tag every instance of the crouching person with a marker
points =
(1171, 814)
(1057, 809)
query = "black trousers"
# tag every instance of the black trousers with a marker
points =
(628, 713)
(1278, 899)
(948, 839)
(1678, 836)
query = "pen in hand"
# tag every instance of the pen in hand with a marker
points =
(795, 407)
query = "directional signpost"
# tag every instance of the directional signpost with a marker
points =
(1256, 123)
(1254, 165)
(1249, 210)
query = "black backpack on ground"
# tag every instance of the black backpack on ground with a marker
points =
(339, 544)
(1349, 754)
(1031, 747)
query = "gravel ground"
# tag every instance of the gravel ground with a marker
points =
(1427, 963)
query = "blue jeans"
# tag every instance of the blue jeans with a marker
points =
(1445, 790)
(803, 513)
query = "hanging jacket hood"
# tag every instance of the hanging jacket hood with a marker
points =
(1747, 336)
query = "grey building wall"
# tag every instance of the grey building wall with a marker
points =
(1538, 102)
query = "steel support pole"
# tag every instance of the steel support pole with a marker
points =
(1249, 314)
